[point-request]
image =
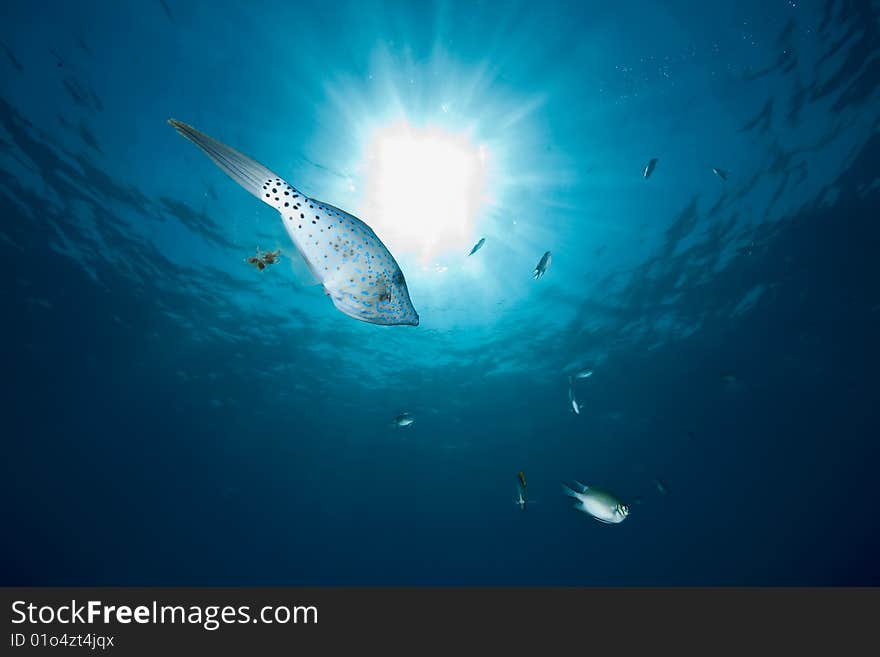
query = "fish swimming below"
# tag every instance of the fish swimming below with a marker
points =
(603, 506)
(358, 272)
(521, 498)
(404, 420)
(649, 168)
(574, 403)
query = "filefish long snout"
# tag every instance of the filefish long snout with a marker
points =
(358, 272)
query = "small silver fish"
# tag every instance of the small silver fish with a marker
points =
(600, 504)
(584, 374)
(404, 420)
(358, 272)
(649, 169)
(477, 246)
(574, 404)
(721, 173)
(541, 269)
(521, 499)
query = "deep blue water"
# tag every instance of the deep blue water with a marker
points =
(173, 416)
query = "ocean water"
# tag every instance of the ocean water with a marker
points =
(173, 416)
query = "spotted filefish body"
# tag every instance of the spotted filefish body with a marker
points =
(358, 272)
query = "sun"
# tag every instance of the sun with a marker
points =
(424, 188)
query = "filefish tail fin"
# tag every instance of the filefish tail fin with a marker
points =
(247, 172)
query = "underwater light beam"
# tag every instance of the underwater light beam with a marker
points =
(424, 187)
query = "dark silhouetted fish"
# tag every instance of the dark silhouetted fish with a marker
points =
(167, 10)
(59, 61)
(543, 264)
(76, 92)
(84, 46)
(12, 58)
(649, 169)
(477, 246)
(87, 136)
(721, 173)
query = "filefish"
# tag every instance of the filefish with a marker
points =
(404, 420)
(477, 246)
(357, 271)
(721, 173)
(649, 169)
(600, 504)
(541, 269)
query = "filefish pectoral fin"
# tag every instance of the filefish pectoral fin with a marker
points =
(303, 274)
